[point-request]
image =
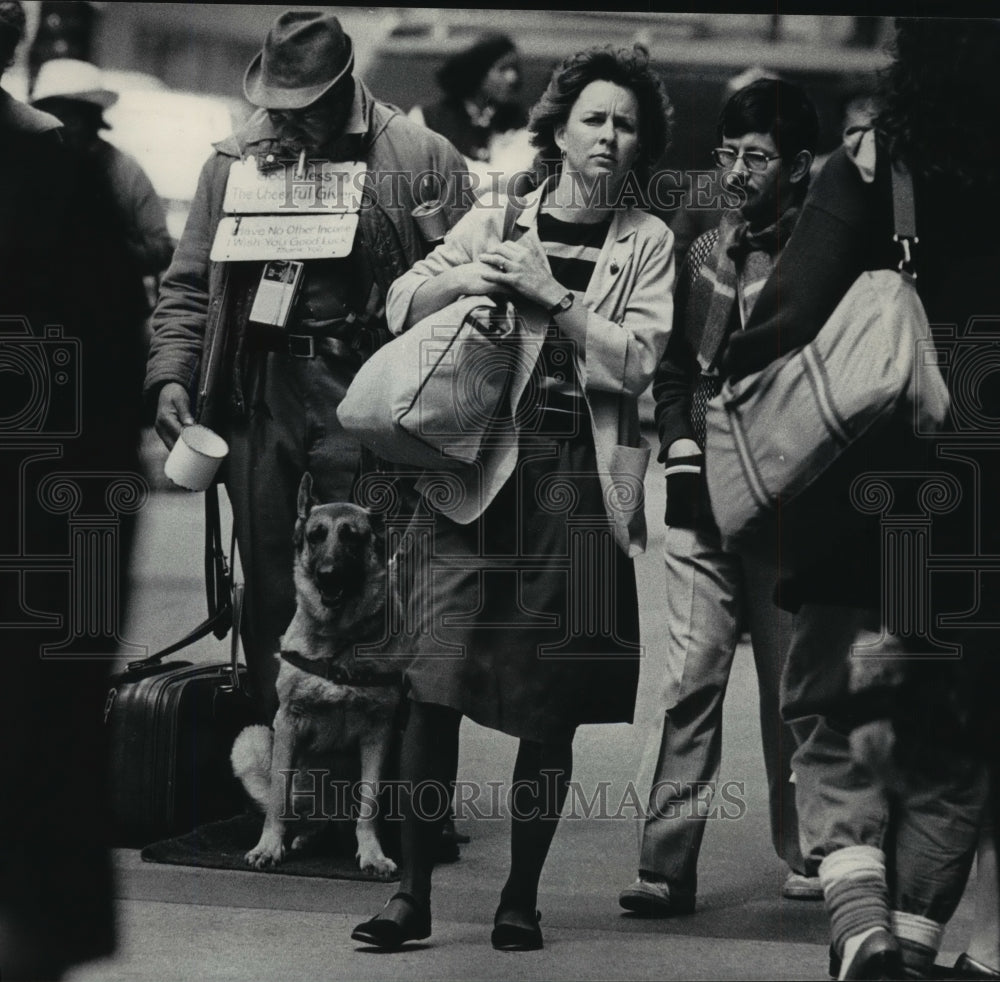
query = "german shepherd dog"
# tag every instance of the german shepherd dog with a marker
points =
(333, 693)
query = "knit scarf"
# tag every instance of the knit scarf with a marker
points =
(738, 252)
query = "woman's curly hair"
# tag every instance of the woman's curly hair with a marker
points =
(627, 67)
(940, 94)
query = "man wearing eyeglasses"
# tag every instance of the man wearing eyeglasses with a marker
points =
(767, 134)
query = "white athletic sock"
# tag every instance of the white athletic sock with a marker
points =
(919, 938)
(856, 896)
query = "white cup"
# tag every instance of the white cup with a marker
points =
(196, 457)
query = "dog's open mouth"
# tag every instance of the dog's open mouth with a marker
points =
(338, 586)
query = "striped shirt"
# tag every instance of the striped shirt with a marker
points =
(572, 249)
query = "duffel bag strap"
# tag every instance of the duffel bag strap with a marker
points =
(904, 215)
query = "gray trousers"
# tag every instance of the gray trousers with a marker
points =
(711, 595)
(292, 428)
(928, 829)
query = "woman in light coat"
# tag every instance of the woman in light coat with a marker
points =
(523, 610)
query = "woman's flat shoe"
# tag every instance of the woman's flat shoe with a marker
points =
(390, 935)
(522, 934)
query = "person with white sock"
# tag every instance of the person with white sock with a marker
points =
(893, 858)
(893, 861)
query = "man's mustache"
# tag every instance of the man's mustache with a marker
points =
(734, 181)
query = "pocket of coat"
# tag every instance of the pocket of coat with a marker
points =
(627, 471)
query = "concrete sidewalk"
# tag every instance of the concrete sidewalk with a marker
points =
(180, 923)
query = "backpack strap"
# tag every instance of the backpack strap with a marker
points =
(904, 216)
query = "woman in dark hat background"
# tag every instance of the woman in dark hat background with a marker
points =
(480, 88)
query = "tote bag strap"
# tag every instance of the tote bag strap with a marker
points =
(513, 211)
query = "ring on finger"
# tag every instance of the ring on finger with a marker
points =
(503, 266)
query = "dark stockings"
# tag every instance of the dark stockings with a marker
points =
(541, 779)
(429, 759)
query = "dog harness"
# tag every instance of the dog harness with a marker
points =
(332, 670)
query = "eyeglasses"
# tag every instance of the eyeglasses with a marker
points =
(331, 103)
(753, 159)
(315, 113)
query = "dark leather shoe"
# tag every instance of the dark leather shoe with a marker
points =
(655, 898)
(514, 930)
(878, 959)
(969, 968)
(391, 935)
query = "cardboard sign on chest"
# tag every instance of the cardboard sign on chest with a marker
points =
(301, 210)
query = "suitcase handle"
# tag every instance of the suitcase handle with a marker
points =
(234, 640)
(220, 592)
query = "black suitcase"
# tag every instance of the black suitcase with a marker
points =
(170, 730)
(171, 727)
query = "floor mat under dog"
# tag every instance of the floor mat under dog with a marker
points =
(223, 845)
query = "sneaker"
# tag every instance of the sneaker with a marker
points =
(654, 899)
(798, 886)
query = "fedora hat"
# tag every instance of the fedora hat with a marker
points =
(69, 78)
(305, 53)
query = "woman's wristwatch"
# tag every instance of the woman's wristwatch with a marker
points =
(561, 306)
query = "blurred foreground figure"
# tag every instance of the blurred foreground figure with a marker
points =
(64, 310)
(876, 634)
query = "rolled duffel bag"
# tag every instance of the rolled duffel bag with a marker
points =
(784, 444)
(429, 397)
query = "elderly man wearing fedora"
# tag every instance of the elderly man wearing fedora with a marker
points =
(270, 383)
(73, 91)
